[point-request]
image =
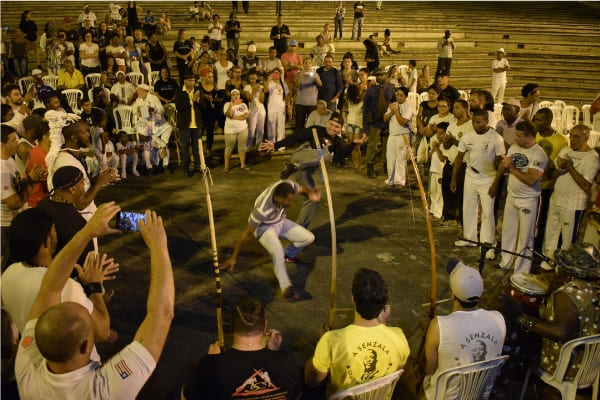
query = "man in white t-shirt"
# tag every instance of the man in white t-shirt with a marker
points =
(577, 166)
(499, 67)
(87, 15)
(525, 163)
(445, 47)
(485, 149)
(469, 334)
(50, 366)
(122, 89)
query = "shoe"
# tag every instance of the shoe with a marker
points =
(490, 254)
(123, 175)
(371, 171)
(288, 170)
(292, 260)
(546, 267)
(291, 294)
(464, 243)
(135, 173)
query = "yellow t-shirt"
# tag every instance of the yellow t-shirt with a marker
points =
(552, 145)
(356, 354)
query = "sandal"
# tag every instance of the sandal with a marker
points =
(247, 168)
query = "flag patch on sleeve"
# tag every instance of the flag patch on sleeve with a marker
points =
(123, 369)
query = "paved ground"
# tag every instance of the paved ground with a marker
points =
(376, 227)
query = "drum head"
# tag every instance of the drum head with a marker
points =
(529, 283)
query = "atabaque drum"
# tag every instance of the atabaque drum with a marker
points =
(529, 290)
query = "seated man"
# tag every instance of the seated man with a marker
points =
(69, 77)
(122, 89)
(320, 116)
(253, 368)
(467, 335)
(364, 350)
(58, 337)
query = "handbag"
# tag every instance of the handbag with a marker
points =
(423, 151)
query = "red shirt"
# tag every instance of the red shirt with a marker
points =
(37, 156)
(295, 58)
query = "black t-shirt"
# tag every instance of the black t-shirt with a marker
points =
(280, 44)
(67, 221)
(450, 93)
(232, 28)
(359, 9)
(166, 89)
(247, 375)
(182, 48)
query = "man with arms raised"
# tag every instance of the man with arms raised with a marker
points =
(53, 357)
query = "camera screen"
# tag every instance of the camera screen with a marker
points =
(128, 221)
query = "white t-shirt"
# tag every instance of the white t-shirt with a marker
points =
(235, 125)
(222, 75)
(114, 51)
(355, 114)
(523, 159)
(121, 377)
(483, 150)
(567, 193)
(255, 103)
(458, 131)
(215, 34)
(499, 77)
(451, 152)
(9, 172)
(150, 101)
(406, 111)
(466, 337)
(412, 80)
(276, 97)
(437, 165)
(123, 91)
(91, 49)
(436, 119)
(20, 286)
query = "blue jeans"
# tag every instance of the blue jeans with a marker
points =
(338, 27)
(357, 26)
(268, 236)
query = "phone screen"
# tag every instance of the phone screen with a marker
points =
(128, 221)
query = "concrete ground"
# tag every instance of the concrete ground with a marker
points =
(376, 228)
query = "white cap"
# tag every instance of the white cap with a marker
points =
(500, 50)
(36, 72)
(465, 282)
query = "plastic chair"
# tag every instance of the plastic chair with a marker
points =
(73, 97)
(377, 389)
(413, 100)
(587, 120)
(93, 80)
(570, 117)
(464, 95)
(546, 104)
(588, 372)
(557, 120)
(25, 83)
(125, 120)
(154, 77)
(560, 104)
(135, 78)
(424, 97)
(50, 80)
(498, 111)
(473, 381)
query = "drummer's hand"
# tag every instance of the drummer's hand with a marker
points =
(513, 309)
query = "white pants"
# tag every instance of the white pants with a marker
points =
(560, 222)
(435, 194)
(396, 160)
(498, 90)
(112, 161)
(475, 192)
(518, 228)
(268, 237)
(276, 125)
(256, 125)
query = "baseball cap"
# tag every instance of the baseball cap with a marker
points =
(512, 102)
(143, 86)
(120, 73)
(336, 116)
(465, 282)
(36, 72)
(293, 42)
(500, 50)
(66, 177)
(252, 48)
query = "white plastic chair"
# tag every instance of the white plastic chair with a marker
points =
(498, 111)
(154, 77)
(560, 104)
(464, 95)
(570, 117)
(73, 96)
(557, 120)
(25, 83)
(545, 104)
(377, 389)
(424, 97)
(472, 381)
(93, 80)
(50, 80)
(587, 120)
(135, 78)
(587, 374)
(125, 120)
(413, 100)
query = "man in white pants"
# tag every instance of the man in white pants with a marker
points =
(268, 223)
(485, 148)
(499, 67)
(577, 165)
(525, 163)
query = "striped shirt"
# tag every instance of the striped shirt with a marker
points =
(266, 211)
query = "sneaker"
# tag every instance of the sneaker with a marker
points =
(288, 170)
(291, 294)
(490, 254)
(464, 243)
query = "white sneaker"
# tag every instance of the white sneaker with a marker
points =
(134, 172)
(490, 254)
(464, 243)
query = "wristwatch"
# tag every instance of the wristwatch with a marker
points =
(93, 287)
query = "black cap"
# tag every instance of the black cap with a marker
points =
(335, 116)
(66, 177)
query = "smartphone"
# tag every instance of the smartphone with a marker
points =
(128, 220)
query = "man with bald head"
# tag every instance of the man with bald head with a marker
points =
(53, 359)
(576, 168)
